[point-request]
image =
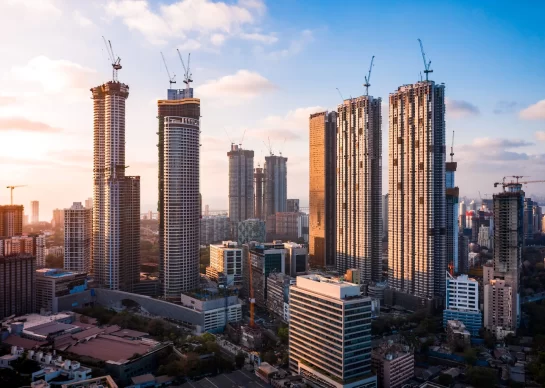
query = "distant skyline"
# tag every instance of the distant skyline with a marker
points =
(263, 67)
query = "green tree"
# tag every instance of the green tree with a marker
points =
(470, 356)
(482, 377)
(283, 334)
(239, 360)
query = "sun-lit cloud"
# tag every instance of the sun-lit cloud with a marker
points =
(487, 142)
(43, 7)
(7, 100)
(242, 86)
(22, 124)
(460, 108)
(534, 112)
(540, 135)
(260, 38)
(82, 20)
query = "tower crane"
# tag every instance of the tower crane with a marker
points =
(427, 65)
(187, 70)
(517, 184)
(172, 79)
(11, 191)
(368, 77)
(116, 62)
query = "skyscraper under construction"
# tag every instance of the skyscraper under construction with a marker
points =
(241, 184)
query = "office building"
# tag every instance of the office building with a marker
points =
(241, 184)
(259, 177)
(226, 263)
(263, 259)
(278, 287)
(116, 197)
(33, 245)
(35, 207)
(500, 298)
(452, 207)
(322, 189)
(416, 190)
(179, 198)
(292, 205)
(55, 283)
(296, 259)
(58, 218)
(385, 216)
(330, 333)
(89, 203)
(11, 220)
(393, 363)
(359, 187)
(17, 289)
(275, 195)
(212, 309)
(214, 229)
(251, 230)
(462, 302)
(304, 217)
(78, 238)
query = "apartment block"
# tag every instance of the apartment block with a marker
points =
(226, 263)
(33, 245)
(330, 333)
(35, 207)
(394, 364)
(359, 187)
(278, 294)
(462, 303)
(11, 220)
(499, 310)
(275, 194)
(251, 230)
(78, 238)
(18, 287)
(451, 205)
(241, 184)
(58, 218)
(259, 179)
(214, 229)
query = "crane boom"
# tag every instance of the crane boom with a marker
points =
(11, 191)
(187, 70)
(427, 65)
(114, 61)
(368, 77)
(172, 80)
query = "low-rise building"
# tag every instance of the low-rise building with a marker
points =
(96, 382)
(226, 263)
(33, 245)
(393, 363)
(296, 259)
(53, 283)
(56, 251)
(462, 303)
(458, 336)
(215, 308)
(278, 294)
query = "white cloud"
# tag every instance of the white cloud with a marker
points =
(241, 86)
(460, 108)
(190, 45)
(217, 39)
(295, 46)
(540, 135)
(7, 100)
(534, 112)
(37, 6)
(176, 20)
(82, 20)
(257, 37)
(487, 142)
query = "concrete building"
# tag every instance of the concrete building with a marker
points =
(330, 333)
(462, 209)
(226, 263)
(214, 229)
(499, 312)
(322, 189)
(278, 285)
(416, 190)
(54, 283)
(385, 216)
(292, 205)
(18, 288)
(528, 227)
(458, 336)
(35, 207)
(483, 238)
(276, 184)
(263, 259)
(359, 187)
(58, 218)
(394, 364)
(287, 226)
(251, 230)
(304, 233)
(463, 254)
(179, 200)
(462, 303)
(451, 203)
(89, 203)
(241, 184)
(537, 216)
(259, 177)
(214, 309)
(116, 197)
(57, 251)
(11, 220)
(78, 238)
(296, 259)
(32, 245)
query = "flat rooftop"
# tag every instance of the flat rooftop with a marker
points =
(111, 348)
(32, 320)
(55, 272)
(331, 287)
(237, 379)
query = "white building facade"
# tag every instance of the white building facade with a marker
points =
(78, 223)
(226, 263)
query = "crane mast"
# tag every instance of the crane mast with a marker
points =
(172, 79)
(114, 61)
(427, 65)
(187, 70)
(368, 77)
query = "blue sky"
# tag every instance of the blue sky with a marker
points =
(263, 67)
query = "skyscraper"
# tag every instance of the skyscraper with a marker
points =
(385, 215)
(259, 175)
(322, 184)
(113, 199)
(359, 187)
(35, 206)
(462, 209)
(77, 238)
(179, 207)
(241, 184)
(528, 219)
(416, 190)
(11, 220)
(276, 185)
(452, 194)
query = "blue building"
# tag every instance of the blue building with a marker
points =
(462, 303)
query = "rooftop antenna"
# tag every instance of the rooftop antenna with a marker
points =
(187, 70)
(452, 148)
(427, 65)
(368, 77)
(172, 79)
(116, 62)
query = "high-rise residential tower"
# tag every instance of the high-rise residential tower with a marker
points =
(179, 204)
(241, 184)
(322, 184)
(78, 221)
(115, 262)
(451, 203)
(11, 220)
(18, 288)
(259, 177)
(385, 215)
(416, 190)
(276, 185)
(359, 187)
(35, 206)
(89, 203)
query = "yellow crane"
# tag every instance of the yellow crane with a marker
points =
(11, 191)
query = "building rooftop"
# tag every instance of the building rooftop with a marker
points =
(391, 351)
(127, 333)
(55, 272)
(24, 343)
(328, 286)
(237, 379)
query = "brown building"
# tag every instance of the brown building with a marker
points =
(393, 364)
(17, 285)
(322, 189)
(11, 220)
